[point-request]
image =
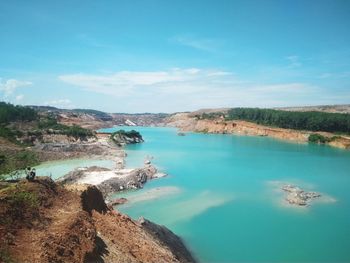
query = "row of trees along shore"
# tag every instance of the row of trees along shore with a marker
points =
(311, 120)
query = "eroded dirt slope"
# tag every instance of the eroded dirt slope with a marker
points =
(42, 221)
(187, 122)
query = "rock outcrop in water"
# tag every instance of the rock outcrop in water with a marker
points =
(134, 179)
(297, 196)
(110, 181)
(122, 137)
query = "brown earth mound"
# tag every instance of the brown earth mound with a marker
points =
(42, 221)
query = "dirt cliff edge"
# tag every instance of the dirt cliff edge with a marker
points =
(42, 221)
(188, 123)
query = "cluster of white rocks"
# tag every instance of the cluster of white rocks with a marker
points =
(110, 181)
(297, 196)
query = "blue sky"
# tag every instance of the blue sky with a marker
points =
(167, 56)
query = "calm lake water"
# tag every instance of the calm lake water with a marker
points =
(57, 169)
(222, 196)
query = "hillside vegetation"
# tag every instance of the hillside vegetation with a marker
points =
(11, 113)
(21, 127)
(311, 121)
(50, 125)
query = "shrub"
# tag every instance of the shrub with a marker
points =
(20, 204)
(10, 134)
(318, 138)
(75, 131)
(5, 255)
(13, 163)
(19, 199)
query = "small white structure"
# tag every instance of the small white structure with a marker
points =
(130, 123)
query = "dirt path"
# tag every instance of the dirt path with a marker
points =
(61, 223)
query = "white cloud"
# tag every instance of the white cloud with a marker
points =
(338, 75)
(294, 61)
(126, 83)
(88, 40)
(204, 44)
(288, 88)
(191, 89)
(325, 75)
(19, 97)
(9, 86)
(60, 103)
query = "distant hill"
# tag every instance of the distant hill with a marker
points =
(99, 114)
(345, 108)
(95, 119)
(44, 108)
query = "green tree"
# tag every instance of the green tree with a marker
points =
(313, 121)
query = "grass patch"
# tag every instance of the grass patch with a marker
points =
(10, 134)
(23, 199)
(51, 126)
(5, 255)
(20, 205)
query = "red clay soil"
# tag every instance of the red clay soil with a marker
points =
(42, 221)
(58, 230)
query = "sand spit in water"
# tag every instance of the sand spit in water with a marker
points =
(152, 194)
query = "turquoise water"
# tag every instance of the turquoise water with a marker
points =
(222, 198)
(57, 169)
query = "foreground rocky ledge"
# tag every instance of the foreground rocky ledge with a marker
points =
(53, 223)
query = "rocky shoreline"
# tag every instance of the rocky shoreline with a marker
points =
(187, 122)
(87, 220)
(108, 181)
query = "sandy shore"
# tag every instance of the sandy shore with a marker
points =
(98, 177)
(154, 193)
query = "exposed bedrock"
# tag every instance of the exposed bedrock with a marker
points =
(297, 196)
(110, 181)
(168, 239)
